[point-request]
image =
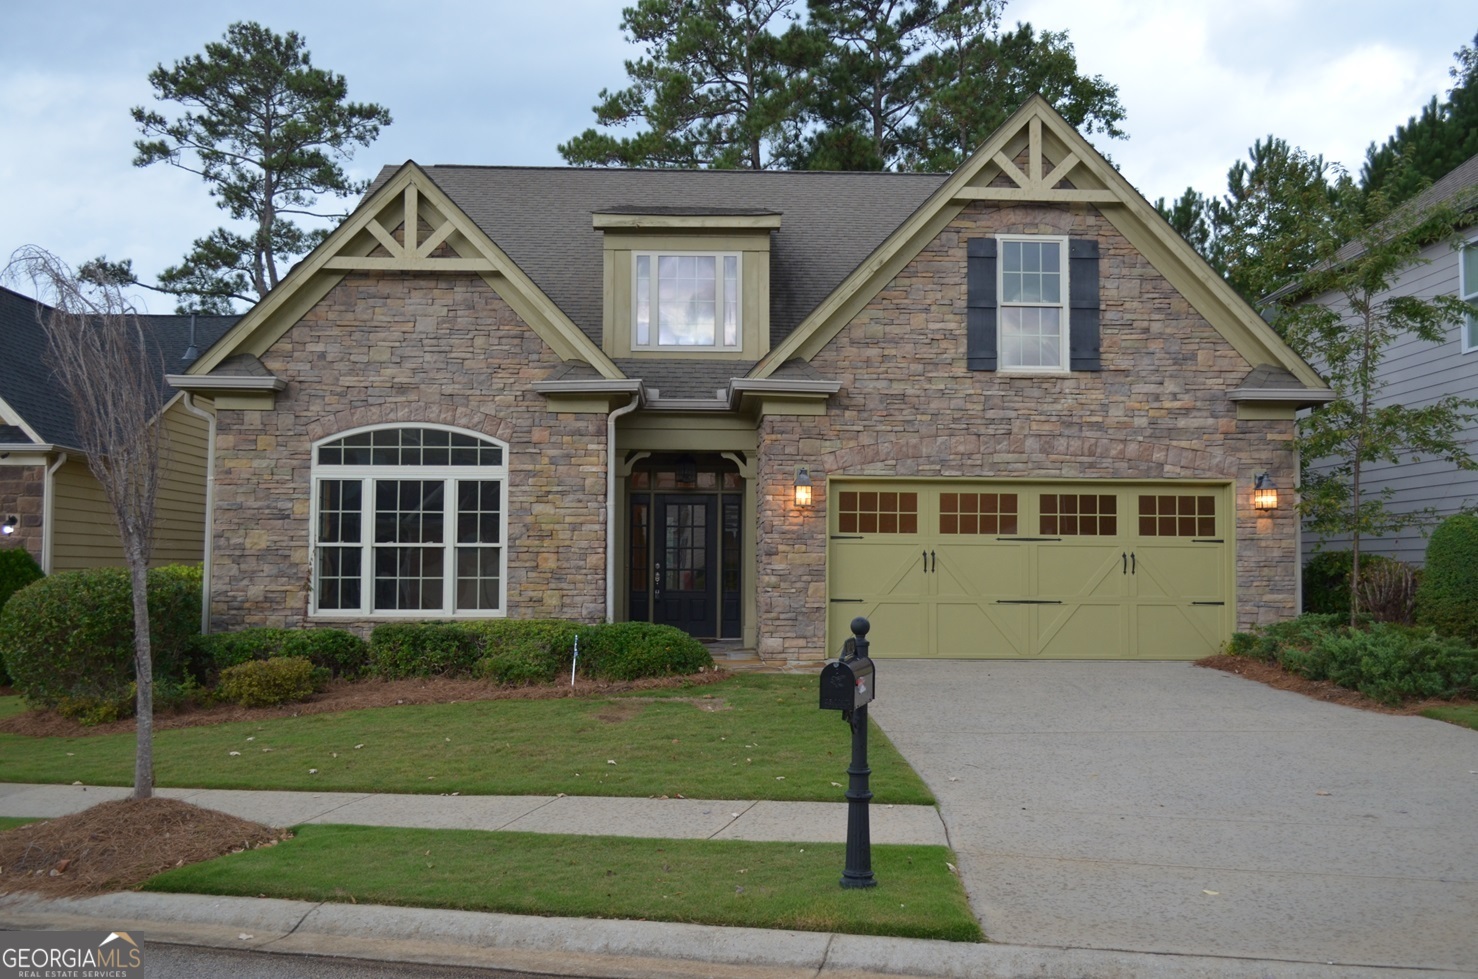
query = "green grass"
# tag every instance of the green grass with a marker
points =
(764, 738)
(729, 882)
(11, 822)
(1464, 716)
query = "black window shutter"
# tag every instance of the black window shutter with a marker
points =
(1083, 304)
(980, 304)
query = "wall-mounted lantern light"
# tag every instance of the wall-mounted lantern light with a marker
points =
(11, 522)
(803, 487)
(1264, 493)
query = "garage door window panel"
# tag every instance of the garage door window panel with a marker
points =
(978, 513)
(1079, 515)
(1182, 515)
(877, 512)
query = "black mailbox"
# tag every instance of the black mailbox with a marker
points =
(847, 684)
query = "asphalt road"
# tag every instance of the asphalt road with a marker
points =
(191, 962)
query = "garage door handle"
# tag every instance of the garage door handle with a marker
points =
(1133, 564)
(1125, 556)
(925, 556)
(933, 562)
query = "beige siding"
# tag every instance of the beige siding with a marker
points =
(86, 534)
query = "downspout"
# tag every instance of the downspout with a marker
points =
(611, 503)
(210, 506)
(48, 509)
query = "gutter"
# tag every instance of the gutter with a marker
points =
(48, 510)
(229, 382)
(626, 409)
(210, 506)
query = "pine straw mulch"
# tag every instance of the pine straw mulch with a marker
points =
(116, 846)
(356, 695)
(1275, 676)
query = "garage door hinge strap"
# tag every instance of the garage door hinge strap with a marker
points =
(1027, 601)
(834, 601)
(846, 537)
(1204, 540)
(1208, 603)
(1028, 538)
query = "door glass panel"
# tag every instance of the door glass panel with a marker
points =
(1185, 515)
(686, 547)
(1079, 515)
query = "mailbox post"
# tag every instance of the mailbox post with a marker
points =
(847, 685)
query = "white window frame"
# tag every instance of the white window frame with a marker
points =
(1062, 365)
(1468, 293)
(720, 298)
(369, 475)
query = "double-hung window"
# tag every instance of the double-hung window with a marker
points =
(1468, 289)
(409, 522)
(1033, 292)
(686, 301)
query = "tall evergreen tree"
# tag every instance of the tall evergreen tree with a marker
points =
(1430, 144)
(268, 132)
(717, 87)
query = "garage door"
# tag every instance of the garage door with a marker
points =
(1069, 570)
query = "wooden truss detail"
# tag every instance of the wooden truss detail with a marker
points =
(1032, 184)
(414, 253)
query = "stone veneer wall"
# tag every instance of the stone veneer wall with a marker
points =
(908, 407)
(22, 494)
(397, 348)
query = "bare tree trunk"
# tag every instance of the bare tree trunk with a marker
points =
(143, 658)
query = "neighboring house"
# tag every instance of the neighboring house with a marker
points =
(1001, 412)
(1415, 373)
(56, 507)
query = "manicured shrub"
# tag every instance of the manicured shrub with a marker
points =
(71, 635)
(17, 570)
(338, 651)
(405, 649)
(223, 650)
(524, 651)
(268, 682)
(1327, 584)
(1447, 600)
(1385, 661)
(633, 650)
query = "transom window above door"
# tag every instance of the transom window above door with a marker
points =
(409, 521)
(686, 300)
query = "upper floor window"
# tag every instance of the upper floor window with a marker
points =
(686, 300)
(409, 522)
(1033, 303)
(1468, 289)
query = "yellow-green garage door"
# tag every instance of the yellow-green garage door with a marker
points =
(1051, 570)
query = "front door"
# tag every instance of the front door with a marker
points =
(685, 563)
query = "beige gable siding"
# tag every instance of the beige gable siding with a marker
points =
(86, 534)
(909, 408)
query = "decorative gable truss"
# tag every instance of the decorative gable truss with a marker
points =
(407, 225)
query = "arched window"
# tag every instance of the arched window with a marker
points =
(409, 521)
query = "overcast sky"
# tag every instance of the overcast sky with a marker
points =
(498, 82)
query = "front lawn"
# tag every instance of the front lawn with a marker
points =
(748, 737)
(717, 882)
(1462, 716)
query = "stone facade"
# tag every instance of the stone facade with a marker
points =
(909, 407)
(22, 494)
(387, 348)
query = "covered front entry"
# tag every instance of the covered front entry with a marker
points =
(1016, 569)
(685, 544)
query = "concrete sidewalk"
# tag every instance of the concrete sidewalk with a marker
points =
(693, 819)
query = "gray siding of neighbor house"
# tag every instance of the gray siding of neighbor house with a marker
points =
(1417, 373)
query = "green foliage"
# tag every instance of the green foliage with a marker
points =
(268, 682)
(338, 651)
(70, 636)
(1432, 144)
(1447, 600)
(1326, 582)
(267, 131)
(517, 652)
(406, 649)
(633, 650)
(915, 84)
(222, 650)
(1385, 661)
(17, 570)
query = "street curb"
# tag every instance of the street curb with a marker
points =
(634, 949)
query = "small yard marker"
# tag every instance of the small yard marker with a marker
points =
(575, 660)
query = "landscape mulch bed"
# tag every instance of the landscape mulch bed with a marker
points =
(116, 846)
(1275, 676)
(345, 695)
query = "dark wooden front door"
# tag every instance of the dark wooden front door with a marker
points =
(685, 563)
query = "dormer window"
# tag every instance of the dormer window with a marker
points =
(686, 300)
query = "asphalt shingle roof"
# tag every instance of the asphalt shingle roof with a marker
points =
(30, 386)
(542, 218)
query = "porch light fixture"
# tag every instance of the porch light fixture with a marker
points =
(803, 487)
(11, 522)
(1264, 493)
(687, 470)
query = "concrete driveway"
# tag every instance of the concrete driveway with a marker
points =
(1162, 807)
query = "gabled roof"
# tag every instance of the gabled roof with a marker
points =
(30, 389)
(1456, 184)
